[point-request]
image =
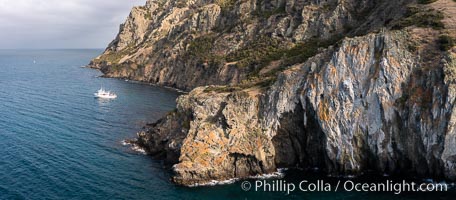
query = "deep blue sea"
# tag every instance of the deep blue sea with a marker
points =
(58, 142)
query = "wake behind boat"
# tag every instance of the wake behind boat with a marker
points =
(101, 93)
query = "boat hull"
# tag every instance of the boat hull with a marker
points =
(105, 97)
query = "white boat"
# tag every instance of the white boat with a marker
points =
(101, 93)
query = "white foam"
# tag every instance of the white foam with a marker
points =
(350, 176)
(138, 149)
(214, 183)
(175, 89)
(134, 147)
(279, 174)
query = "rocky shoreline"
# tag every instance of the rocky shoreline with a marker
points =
(343, 86)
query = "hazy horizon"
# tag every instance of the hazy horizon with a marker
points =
(56, 24)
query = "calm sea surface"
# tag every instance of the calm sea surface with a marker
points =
(58, 142)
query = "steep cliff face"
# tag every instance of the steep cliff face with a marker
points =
(344, 86)
(366, 105)
(185, 44)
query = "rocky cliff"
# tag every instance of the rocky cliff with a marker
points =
(184, 44)
(344, 86)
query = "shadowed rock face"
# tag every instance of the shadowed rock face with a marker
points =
(381, 101)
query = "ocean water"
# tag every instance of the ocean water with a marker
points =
(58, 142)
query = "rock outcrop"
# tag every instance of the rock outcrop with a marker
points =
(344, 86)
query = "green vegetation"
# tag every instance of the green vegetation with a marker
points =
(201, 48)
(221, 89)
(446, 42)
(148, 16)
(161, 3)
(299, 53)
(113, 58)
(450, 69)
(263, 51)
(181, 4)
(303, 51)
(259, 52)
(225, 4)
(262, 83)
(261, 58)
(256, 54)
(421, 17)
(268, 13)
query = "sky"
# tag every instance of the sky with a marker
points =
(61, 24)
